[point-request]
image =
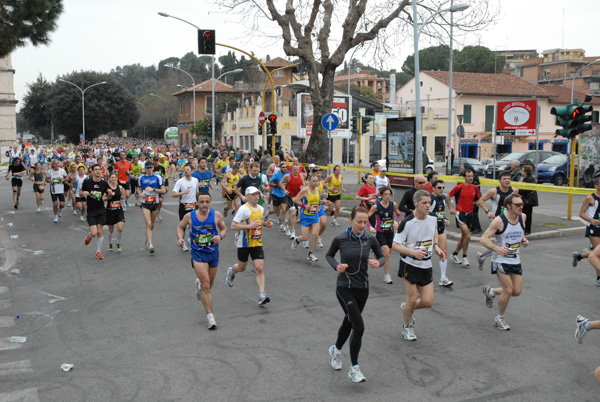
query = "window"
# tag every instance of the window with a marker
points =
(278, 73)
(467, 114)
(489, 118)
(208, 108)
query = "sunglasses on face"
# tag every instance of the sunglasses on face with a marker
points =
(440, 187)
(421, 182)
(519, 204)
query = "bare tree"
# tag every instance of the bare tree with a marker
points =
(322, 32)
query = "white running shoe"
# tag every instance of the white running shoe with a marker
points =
(212, 324)
(579, 332)
(456, 258)
(387, 279)
(230, 277)
(489, 300)
(81, 218)
(69, 204)
(480, 261)
(409, 333)
(413, 322)
(158, 218)
(465, 261)
(151, 248)
(445, 282)
(198, 290)
(335, 223)
(312, 257)
(281, 228)
(263, 299)
(320, 242)
(74, 212)
(356, 375)
(288, 232)
(336, 358)
(56, 219)
(294, 243)
(501, 324)
(60, 213)
(306, 244)
(38, 210)
(293, 234)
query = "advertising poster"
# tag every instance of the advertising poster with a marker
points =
(380, 124)
(341, 107)
(401, 145)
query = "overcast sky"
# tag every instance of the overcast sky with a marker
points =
(100, 35)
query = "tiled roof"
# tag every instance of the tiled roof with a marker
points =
(562, 95)
(206, 86)
(277, 62)
(488, 84)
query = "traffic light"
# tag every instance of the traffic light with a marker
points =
(273, 127)
(267, 128)
(209, 129)
(572, 119)
(354, 124)
(206, 41)
(260, 129)
(581, 117)
(365, 124)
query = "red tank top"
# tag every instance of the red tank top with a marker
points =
(294, 184)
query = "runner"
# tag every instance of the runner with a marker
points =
(322, 215)
(137, 168)
(186, 189)
(203, 175)
(249, 222)
(96, 192)
(466, 195)
(496, 195)
(229, 180)
(80, 204)
(149, 187)
(114, 210)
(416, 240)
(39, 184)
(207, 231)
(124, 168)
(584, 326)
(333, 182)
(382, 213)
(291, 184)
(17, 170)
(309, 198)
(431, 177)
(160, 170)
(381, 180)
(367, 194)
(219, 165)
(438, 210)
(352, 287)
(509, 229)
(277, 195)
(56, 176)
(406, 204)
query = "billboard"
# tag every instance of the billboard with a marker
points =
(380, 125)
(401, 135)
(341, 107)
(516, 117)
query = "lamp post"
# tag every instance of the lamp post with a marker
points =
(83, 100)
(577, 73)
(144, 106)
(162, 97)
(212, 110)
(417, 32)
(194, 90)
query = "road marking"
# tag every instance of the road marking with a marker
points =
(6, 345)
(7, 321)
(169, 212)
(23, 395)
(23, 366)
(5, 304)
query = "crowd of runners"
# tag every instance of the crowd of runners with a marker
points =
(97, 183)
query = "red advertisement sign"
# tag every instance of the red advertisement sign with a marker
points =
(517, 117)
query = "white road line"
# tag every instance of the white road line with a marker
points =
(6, 345)
(4, 304)
(23, 366)
(23, 395)
(166, 211)
(7, 321)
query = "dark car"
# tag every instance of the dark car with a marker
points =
(524, 158)
(555, 170)
(458, 162)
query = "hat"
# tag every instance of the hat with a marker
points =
(231, 152)
(149, 148)
(161, 156)
(312, 165)
(383, 169)
(252, 190)
(149, 165)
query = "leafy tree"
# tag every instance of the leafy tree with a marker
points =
(108, 107)
(478, 59)
(368, 92)
(22, 20)
(36, 107)
(431, 58)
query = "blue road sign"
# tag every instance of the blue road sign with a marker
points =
(330, 122)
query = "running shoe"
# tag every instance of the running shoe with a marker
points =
(456, 258)
(501, 324)
(413, 322)
(99, 255)
(306, 244)
(387, 279)
(38, 210)
(125, 207)
(225, 212)
(294, 243)
(288, 233)
(151, 248)
(110, 247)
(87, 240)
(230, 277)
(69, 204)
(335, 223)
(118, 247)
(576, 258)
(336, 358)
(597, 282)
(16, 206)
(355, 374)
(56, 219)
(445, 282)
(480, 260)
(198, 290)
(320, 242)
(263, 299)
(281, 228)
(60, 213)
(293, 234)
(312, 257)
(184, 247)
(212, 324)
(465, 261)
(489, 301)
(82, 219)
(158, 218)
(581, 331)
(409, 333)
(74, 212)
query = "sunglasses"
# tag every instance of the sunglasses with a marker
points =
(519, 204)
(421, 182)
(440, 187)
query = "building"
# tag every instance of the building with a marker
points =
(514, 61)
(8, 103)
(559, 66)
(365, 79)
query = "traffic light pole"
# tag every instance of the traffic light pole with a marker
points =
(359, 138)
(571, 176)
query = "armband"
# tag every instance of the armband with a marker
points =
(303, 206)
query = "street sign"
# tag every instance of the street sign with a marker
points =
(460, 131)
(517, 118)
(194, 136)
(81, 138)
(330, 122)
(261, 118)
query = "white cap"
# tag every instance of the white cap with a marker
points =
(252, 190)
(312, 165)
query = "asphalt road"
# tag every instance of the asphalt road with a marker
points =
(134, 330)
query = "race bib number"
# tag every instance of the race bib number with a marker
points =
(440, 215)
(151, 199)
(189, 207)
(256, 233)
(204, 240)
(115, 205)
(96, 194)
(56, 181)
(41, 187)
(388, 225)
(311, 209)
(513, 250)
(427, 246)
(206, 183)
(335, 191)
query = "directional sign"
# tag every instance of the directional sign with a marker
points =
(517, 117)
(272, 118)
(261, 118)
(330, 122)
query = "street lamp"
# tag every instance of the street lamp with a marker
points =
(144, 106)
(212, 110)
(193, 84)
(83, 99)
(162, 97)
(417, 32)
(578, 71)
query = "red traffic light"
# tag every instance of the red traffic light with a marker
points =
(272, 118)
(207, 35)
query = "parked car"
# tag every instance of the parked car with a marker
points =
(427, 161)
(555, 170)
(477, 165)
(487, 161)
(524, 158)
